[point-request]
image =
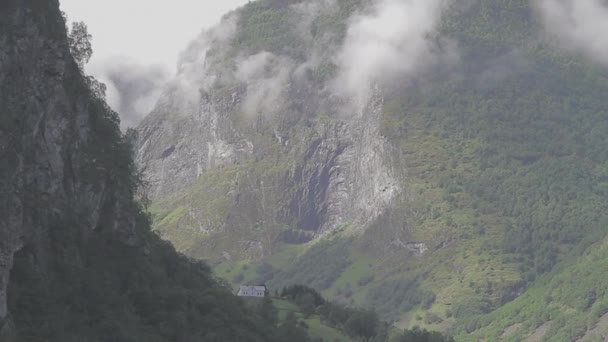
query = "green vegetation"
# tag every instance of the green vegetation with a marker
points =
(79, 41)
(406, 292)
(573, 298)
(335, 322)
(313, 269)
(268, 27)
(505, 157)
(206, 218)
(512, 169)
(108, 290)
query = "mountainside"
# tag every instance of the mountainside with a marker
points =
(450, 171)
(280, 168)
(79, 261)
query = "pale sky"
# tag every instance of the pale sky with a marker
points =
(148, 31)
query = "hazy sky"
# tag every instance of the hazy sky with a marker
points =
(151, 32)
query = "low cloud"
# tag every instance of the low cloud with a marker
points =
(309, 11)
(195, 72)
(578, 25)
(506, 66)
(393, 40)
(266, 77)
(132, 88)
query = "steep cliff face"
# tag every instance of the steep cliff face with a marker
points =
(329, 166)
(296, 161)
(45, 129)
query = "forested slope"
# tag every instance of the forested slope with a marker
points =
(492, 159)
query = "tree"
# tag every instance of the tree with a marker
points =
(363, 323)
(306, 302)
(98, 89)
(79, 40)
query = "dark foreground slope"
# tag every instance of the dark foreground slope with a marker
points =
(77, 259)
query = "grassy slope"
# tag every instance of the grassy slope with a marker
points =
(316, 328)
(573, 298)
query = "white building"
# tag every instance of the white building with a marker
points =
(252, 291)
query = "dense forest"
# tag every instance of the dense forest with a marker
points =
(503, 155)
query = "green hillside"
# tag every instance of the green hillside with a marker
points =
(303, 309)
(504, 158)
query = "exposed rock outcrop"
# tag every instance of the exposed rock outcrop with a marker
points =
(331, 170)
(47, 177)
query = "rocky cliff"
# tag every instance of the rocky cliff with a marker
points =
(328, 166)
(295, 161)
(48, 172)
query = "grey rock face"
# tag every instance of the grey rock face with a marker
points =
(178, 148)
(345, 175)
(338, 169)
(45, 178)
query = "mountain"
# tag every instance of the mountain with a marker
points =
(78, 259)
(448, 169)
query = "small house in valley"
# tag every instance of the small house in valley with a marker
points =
(252, 291)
